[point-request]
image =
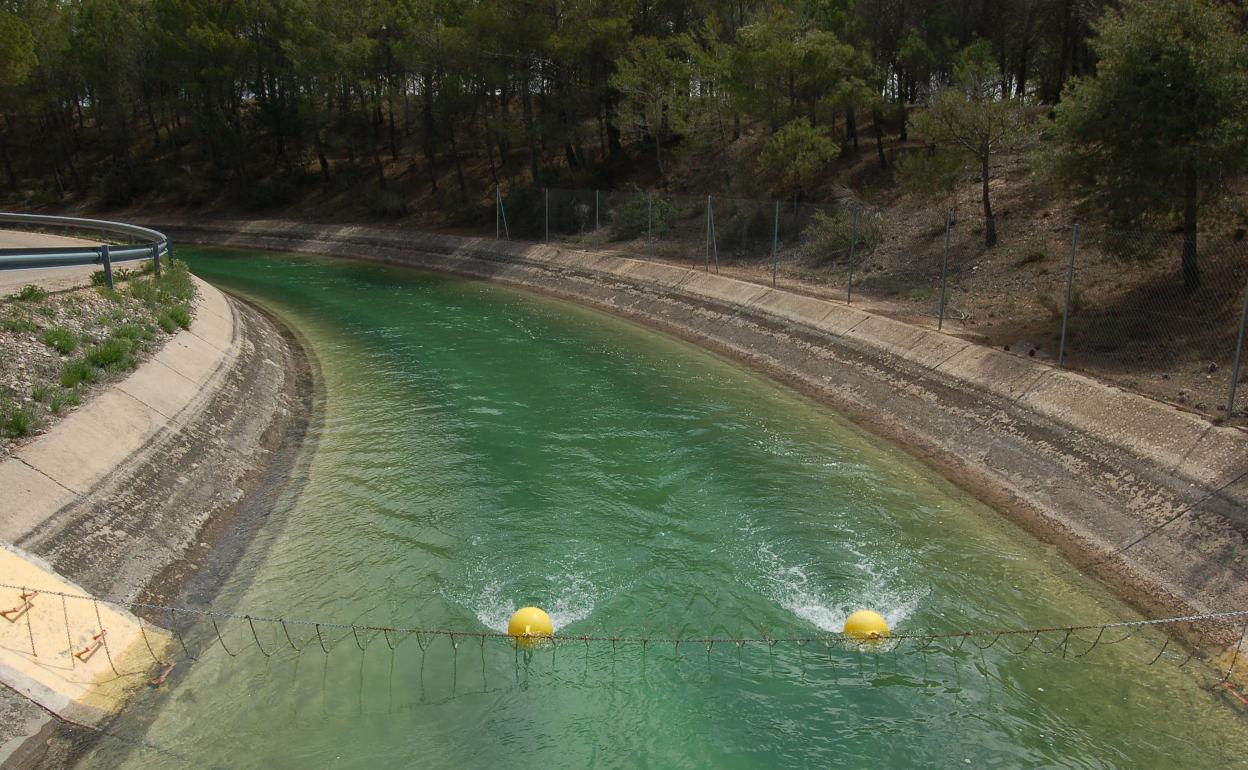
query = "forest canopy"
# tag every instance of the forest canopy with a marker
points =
(108, 101)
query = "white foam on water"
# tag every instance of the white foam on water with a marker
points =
(791, 588)
(493, 606)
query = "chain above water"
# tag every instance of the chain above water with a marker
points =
(994, 635)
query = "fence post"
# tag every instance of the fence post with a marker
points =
(649, 220)
(156, 259)
(853, 241)
(775, 242)
(1239, 353)
(502, 212)
(1070, 293)
(546, 211)
(708, 233)
(108, 266)
(714, 237)
(944, 278)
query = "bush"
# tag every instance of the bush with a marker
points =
(113, 353)
(181, 316)
(18, 421)
(827, 237)
(17, 324)
(145, 291)
(60, 338)
(30, 293)
(176, 282)
(133, 332)
(640, 213)
(62, 398)
(76, 372)
(39, 392)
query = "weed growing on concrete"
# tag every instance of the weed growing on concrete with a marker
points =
(60, 338)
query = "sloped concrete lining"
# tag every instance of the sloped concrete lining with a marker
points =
(1148, 498)
(128, 496)
(78, 659)
(83, 449)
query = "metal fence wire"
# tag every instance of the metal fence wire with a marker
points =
(1217, 639)
(1148, 311)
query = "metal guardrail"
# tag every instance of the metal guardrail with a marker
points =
(151, 245)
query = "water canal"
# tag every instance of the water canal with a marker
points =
(478, 448)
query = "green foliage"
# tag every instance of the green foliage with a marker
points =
(640, 214)
(173, 318)
(60, 338)
(17, 50)
(653, 77)
(133, 332)
(77, 372)
(969, 124)
(793, 154)
(17, 421)
(1162, 127)
(31, 293)
(115, 353)
(828, 236)
(18, 324)
(39, 392)
(931, 175)
(63, 398)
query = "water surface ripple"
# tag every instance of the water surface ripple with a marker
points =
(482, 448)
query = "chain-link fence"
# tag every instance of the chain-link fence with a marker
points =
(1157, 313)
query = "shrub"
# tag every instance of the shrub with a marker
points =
(39, 392)
(18, 421)
(133, 332)
(62, 398)
(145, 291)
(31, 293)
(60, 338)
(113, 353)
(828, 236)
(181, 316)
(76, 372)
(17, 324)
(639, 213)
(176, 282)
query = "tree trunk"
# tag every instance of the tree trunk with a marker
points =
(526, 104)
(990, 223)
(1191, 269)
(430, 127)
(10, 177)
(658, 155)
(878, 117)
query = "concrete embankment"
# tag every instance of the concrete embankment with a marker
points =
(128, 496)
(1150, 499)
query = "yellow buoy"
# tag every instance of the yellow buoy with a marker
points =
(865, 624)
(529, 625)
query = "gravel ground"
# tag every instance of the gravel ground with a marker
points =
(88, 324)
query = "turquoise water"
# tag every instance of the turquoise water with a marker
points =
(478, 448)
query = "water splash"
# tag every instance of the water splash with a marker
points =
(879, 589)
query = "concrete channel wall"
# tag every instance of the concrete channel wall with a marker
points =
(1151, 500)
(127, 498)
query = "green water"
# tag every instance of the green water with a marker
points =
(478, 448)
